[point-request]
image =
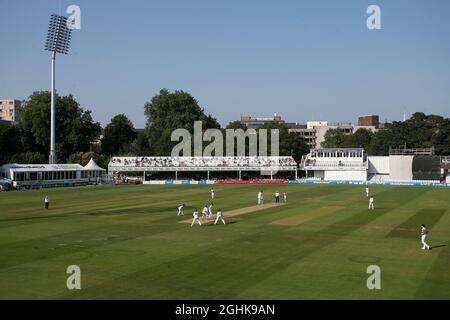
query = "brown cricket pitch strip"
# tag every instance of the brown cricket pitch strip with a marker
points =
(241, 211)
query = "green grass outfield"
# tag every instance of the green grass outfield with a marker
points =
(129, 243)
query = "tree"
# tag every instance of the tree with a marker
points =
(118, 134)
(335, 138)
(83, 158)
(26, 158)
(290, 143)
(236, 125)
(138, 146)
(441, 140)
(75, 129)
(9, 142)
(361, 138)
(419, 131)
(380, 143)
(168, 111)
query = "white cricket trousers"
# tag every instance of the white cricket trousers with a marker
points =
(217, 220)
(196, 220)
(371, 206)
(424, 242)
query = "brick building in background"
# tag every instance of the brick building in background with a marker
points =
(369, 121)
(9, 111)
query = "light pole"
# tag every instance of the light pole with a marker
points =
(58, 41)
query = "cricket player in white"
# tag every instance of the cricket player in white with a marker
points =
(371, 206)
(212, 194)
(180, 210)
(277, 197)
(285, 197)
(260, 198)
(210, 210)
(367, 191)
(205, 212)
(46, 202)
(219, 216)
(196, 219)
(423, 238)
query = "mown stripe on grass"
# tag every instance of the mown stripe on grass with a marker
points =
(102, 210)
(223, 269)
(300, 218)
(411, 227)
(437, 280)
(26, 251)
(241, 261)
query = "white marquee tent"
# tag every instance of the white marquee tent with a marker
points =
(23, 175)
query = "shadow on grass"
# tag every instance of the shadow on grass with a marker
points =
(211, 223)
(411, 227)
(34, 218)
(438, 246)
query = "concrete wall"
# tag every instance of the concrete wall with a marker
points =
(400, 168)
(378, 165)
(312, 124)
(319, 174)
(320, 135)
(370, 128)
(345, 175)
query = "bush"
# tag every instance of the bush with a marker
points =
(26, 158)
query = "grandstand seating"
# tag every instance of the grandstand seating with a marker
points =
(202, 162)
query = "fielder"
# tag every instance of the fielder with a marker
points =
(285, 197)
(212, 194)
(260, 198)
(180, 210)
(196, 219)
(423, 238)
(205, 212)
(210, 210)
(46, 202)
(367, 191)
(371, 206)
(219, 216)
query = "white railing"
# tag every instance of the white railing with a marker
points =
(339, 165)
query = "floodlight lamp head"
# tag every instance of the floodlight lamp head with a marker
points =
(58, 35)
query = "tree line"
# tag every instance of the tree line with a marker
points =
(79, 137)
(419, 131)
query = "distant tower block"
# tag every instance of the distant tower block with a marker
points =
(369, 121)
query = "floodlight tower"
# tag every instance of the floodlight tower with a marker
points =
(58, 41)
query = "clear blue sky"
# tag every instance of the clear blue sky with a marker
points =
(306, 60)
